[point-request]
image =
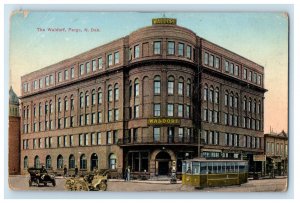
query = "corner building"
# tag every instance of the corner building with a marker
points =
(158, 95)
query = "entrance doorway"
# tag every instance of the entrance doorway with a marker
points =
(163, 161)
(94, 161)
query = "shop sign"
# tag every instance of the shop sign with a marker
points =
(163, 121)
(259, 157)
(170, 21)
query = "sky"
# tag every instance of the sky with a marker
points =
(260, 37)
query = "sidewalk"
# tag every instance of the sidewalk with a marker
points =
(145, 181)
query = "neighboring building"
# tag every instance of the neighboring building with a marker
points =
(14, 134)
(276, 151)
(141, 101)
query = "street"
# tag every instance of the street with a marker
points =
(262, 185)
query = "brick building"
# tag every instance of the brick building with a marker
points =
(14, 134)
(143, 100)
(276, 151)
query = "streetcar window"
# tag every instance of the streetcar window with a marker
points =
(203, 168)
(183, 167)
(210, 167)
(215, 167)
(196, 167)
(242, 167)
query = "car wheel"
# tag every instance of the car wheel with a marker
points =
(102, 186)
(30, 183)
(53, 183)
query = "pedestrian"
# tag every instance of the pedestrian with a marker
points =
(76, 170)
(65, 171)
(125, 174)
(128, 173)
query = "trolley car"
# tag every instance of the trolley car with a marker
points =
(201, 173)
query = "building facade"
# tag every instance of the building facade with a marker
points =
(157, 95)
(276, 151)
(14, 134)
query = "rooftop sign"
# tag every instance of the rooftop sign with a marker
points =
(170, 21)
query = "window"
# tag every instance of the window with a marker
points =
(87, 99)
(188, 88)
(250, 76)
(216, 116)
(157, 85)
(99, 138)
(116, 92)
(206, 58)
(171, 85)
(217, 95)
(115, 135)
(110, 94)
(136, 87)
(236, 102)
(180, 49)
(180, 134)
(226, 118)
(189, 52)
(249, 105)
(86, 139)
(136, 51)
(170, 110)
(81, 120)
(72, 121)
(88, 67)
(217, 62)
(71, 161)
(156, 134)
(259, 80)
(180, 86)
(211, 94)
(66, 74)
(66, 104)
(81, 69)
(156, 109)
(109, 59)
(235, 120)
(93, 97)
(116, 114)
(94, 65)
(108, 138)
(226, 98)
(236, 71)
(231, 68)
(112, 161)
(226, 66)
(72, 72)
(100, 63)
(40, 83)
(46, 81)
(180, 110)
(60, 162)
(205, 93)
(211, 60)
(171, 48)
(188, 111)
(109, 116)
(81, 140)
(136, 111)
(93, 121)
(99, 117)
(51, 80)
(210, 114)
(117, 58)
(157, 47)
(245, 74)
(83, 162)
(99, 96)
(25, 162)
(37, 163)
(35, 84)
(205, 118)
(58, 105)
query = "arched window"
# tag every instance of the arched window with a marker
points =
(46, 108)
(40, 109)
(254, 106)
(245, 103)
(72, 102)
(60, 161)
(205, 93)
(136, 87)
(188, 88)
(110, 95)
(83, 161)
(231, 100)
(259, 107)
(48, 161)
(66, 104)
(71, 161)
(59, 105)
(37, 162)
(157, 84)
(217, 95)
(211, 94)
(249, 104)
(25, 162)
(226, 98)
(93, 97)
(99, 96)
(81, 100)
(112, 161)
(51, 106)
(180, 86)
(87, 99)
(170, 85)
(116, 92)
(236, 101)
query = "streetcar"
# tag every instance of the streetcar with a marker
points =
(201, 172)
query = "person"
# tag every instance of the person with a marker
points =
(128, 173)
(65, 171)
(43, 172)
(76, 171)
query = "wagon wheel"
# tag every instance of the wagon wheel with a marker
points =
(102, 186)
(80, 186)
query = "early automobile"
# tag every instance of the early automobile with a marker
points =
(95, 181)
(40, 176)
